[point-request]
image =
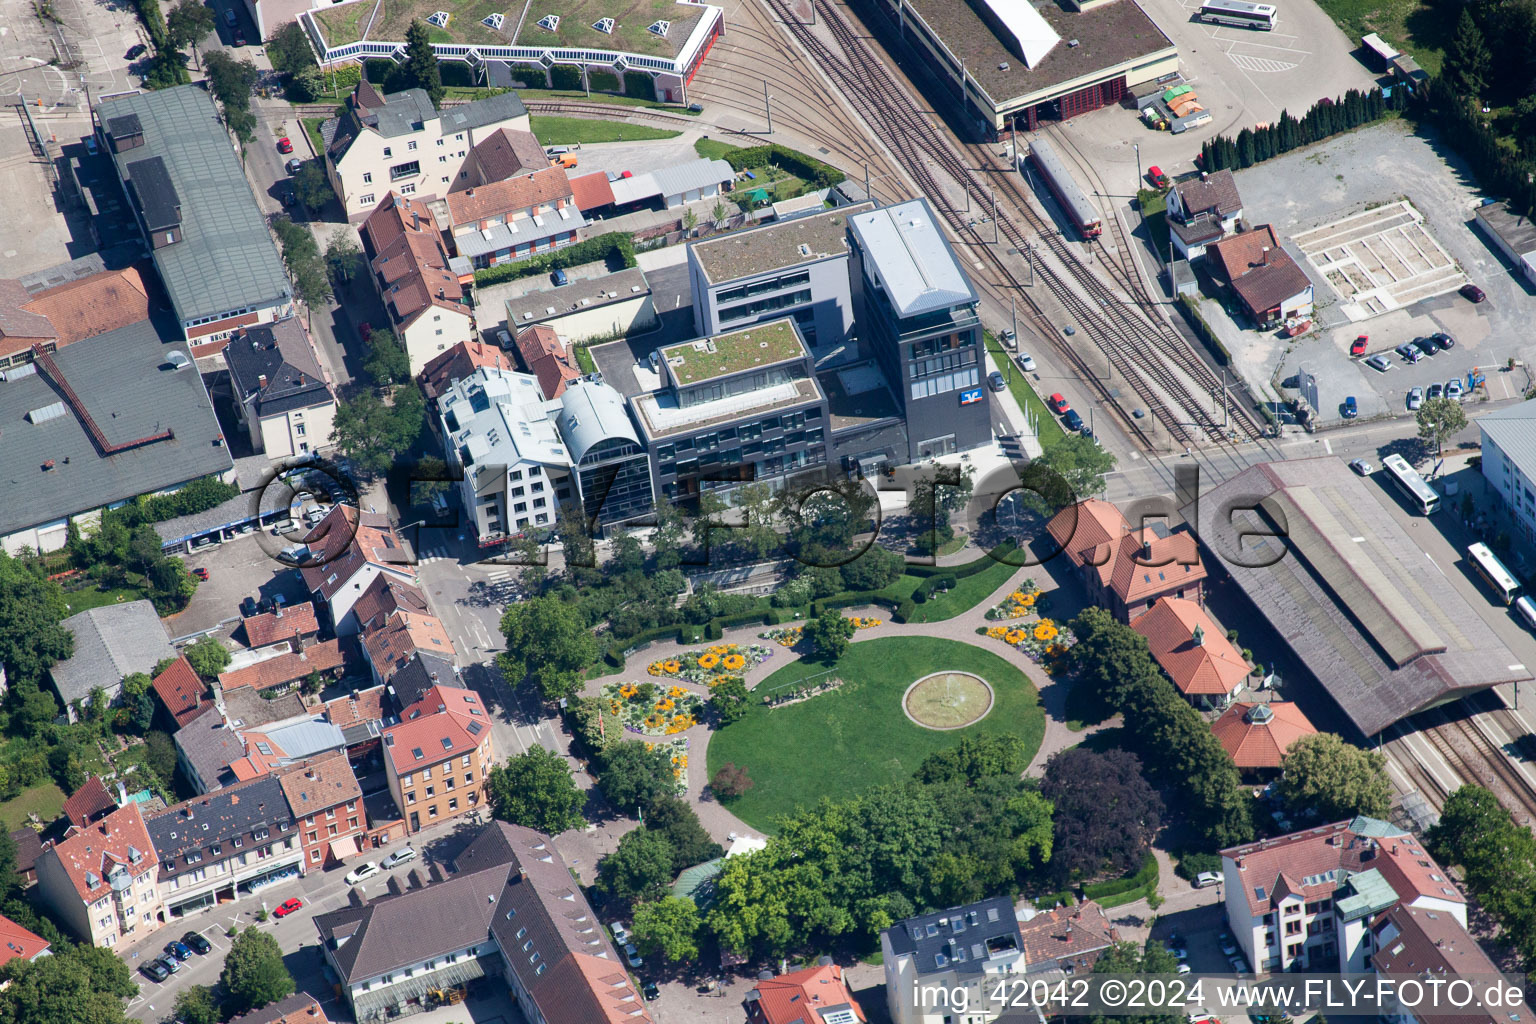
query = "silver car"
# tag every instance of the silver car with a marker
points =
(1453, 389)
(1415, 398)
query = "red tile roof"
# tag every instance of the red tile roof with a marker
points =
(390, 646)
(16, 943)
(94, 305)
(547, 358)
(300, 1008)
(1135, 564)
(119, 838)
(385, 596)
(592, 191)
(446, 722)
(410, 259)
(318, 783)
(20, 328)
(458, 363)
(1071, 937)
(181, 691)
(344, 541)
(1213, 667)
(289, 623)
(1258, 735)
(499, 199)
(88, 803)
(357, 709)
(800, 997)
(288, 667)
(1263, 280)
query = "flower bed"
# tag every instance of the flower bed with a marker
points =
(1019, 603)
(679, 750)
(650, 710)
(790, 635)
(705, 666)
(1043, 641)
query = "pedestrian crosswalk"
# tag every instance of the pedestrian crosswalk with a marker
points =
(434, 549)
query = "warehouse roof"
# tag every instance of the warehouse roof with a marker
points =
(111, 641)
(1513, 430)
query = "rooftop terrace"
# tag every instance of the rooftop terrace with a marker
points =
(759, 345)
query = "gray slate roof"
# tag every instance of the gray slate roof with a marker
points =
(198, 824)
(110, 642)
(210, 747)
(907, 251)
(130, 391)
(414, 678)
(226, 258)
(961, 939)
(490, 110)
(281, 353)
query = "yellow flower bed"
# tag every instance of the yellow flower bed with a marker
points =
(733, 662)
(709, 660)
(997, 632)
(1045, 629)
(665, 704)
(677, 691)
(628, 690)
(1015, 636)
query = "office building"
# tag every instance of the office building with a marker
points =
(965, 951)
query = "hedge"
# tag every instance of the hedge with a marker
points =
(603, 247)
(712, 630)
(934, 584)
(566, 77)
(970, 568)
(1326, 119)
(905, 611)
(852, 599)
(1115, 886)
(639, 85)
(822, 175)
(603, 81)
(200, 495)
(1191, 310)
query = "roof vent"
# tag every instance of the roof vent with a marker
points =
(178, 360)
(1003, 66)
(1071, 42)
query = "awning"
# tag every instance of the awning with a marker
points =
(344, 847)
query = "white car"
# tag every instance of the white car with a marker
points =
(1453, 389)
(1206, 878)
(399, 857)
(1026, 363)
(1362, 467)
(365, 872)
(620, 933)
(1415, 399)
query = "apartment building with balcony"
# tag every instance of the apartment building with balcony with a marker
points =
(965, 952)
(100, 880)
(436, 759)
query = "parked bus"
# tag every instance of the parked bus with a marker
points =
(1239, 13)
(1419, 494)
(1493, 572)
(1074, 203)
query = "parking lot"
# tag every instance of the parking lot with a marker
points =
(236, 569)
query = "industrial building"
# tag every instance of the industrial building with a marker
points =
(1012, 64)
(1512, 234)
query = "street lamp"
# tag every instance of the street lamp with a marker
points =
(1137, 147)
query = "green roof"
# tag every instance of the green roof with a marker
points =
(725, 354)
(697, 883)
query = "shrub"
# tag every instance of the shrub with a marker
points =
(730, 782)
(613, 246)
(712, 630)
(1192, 864)
(565, 77)
(603, 81)
(905, 611)
(639, 85)
(819, 174)
(1145, 875)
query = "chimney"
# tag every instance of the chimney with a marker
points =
(469, 192)
(1146, 550)
(1264, 253)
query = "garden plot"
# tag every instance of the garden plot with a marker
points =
(1380, 260)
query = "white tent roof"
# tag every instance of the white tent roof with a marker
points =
(1032, 36)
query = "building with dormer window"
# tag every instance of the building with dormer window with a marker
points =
(969, 950)
(99, 880)
(437, 757)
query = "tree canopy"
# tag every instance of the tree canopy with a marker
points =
(254, 973)
(1498, 858)
(208, 657)
(1332, 779)
(975, 758)
(641, 867)
(31, 609)
(1440, 419)
(79, 984)
(376, 435)
(535, 789)
(548, 643)
(1105, 816)
(669, 928)
(1072, 469)
(830, 633)
(632, 777)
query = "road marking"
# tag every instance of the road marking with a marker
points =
(1328, 446)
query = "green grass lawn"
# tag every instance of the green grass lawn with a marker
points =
(710, 149)
(46, 800)
(843, 742)
(1154, 211)
(968, 592)
(1049, 429)
(1413, 27)
(95, 597)
(534, 95)
(344, 22)
(312, 129)
(566, 131)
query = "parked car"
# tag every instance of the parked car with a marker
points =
(1072, 421)
(239, 37)
(632, 955)
(650, 991)
(1362, 467)
(401, 856)
(1415, 399)
(995, 381)
(696, 108)
(90, 145)
(1179, 953)
(1228, 947)
(287, 907)
(170, 963)
(1357, 347)
(155, 970)
(1026, 363)
(201, 573)
(1156, 176)
(1435, 391)
(248, 607)
(1183, 968)
(179, 950)
(1379, 363)
(1472, 293)
(620, 933)
(294, 166)
(1453, 389)
(1427, 346)
(198, 943)
(135, 51)
(1408, 352)
(362, 872)
(1058, 404)
(1351, 408)
(559, 277)
(285, 145)
(1239, 965)
(1444, 340)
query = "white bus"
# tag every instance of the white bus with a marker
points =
(1493, 572)
(1419, 494)
(1239, 13)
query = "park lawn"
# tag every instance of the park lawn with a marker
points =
(967, 593)
(1409, 25)
(567, 131)
(1047, 428)
(46, 800)
(841, 743)
(711, 149)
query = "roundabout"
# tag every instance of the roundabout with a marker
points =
(948, 700)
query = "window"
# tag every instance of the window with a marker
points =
(368, 178)
(410, 145)
(469, 779)
(298, 429)
(405, 170)
(387, 152)
(441, 159)
(453, 804)
(464, 761)
(331, 813)
(405, 780)
(448, 782)
(406, 190)
(431, 791)
(432, 811)
(314, 856)
(426, 773)
(313, 837)
(410, 798)
(366, 200)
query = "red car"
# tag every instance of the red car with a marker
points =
(201, 574)
(1357, 347)
(1058, 404)
(285, 145)
(1472, 293)
(288, 907)
(1156, 176)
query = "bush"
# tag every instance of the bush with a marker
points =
(1145, 875)
(1191, 310)
(200, 495)
(1192, 864)
(639, 85)
(615, 245)
(1326, 118)
(566, 77)
(603, 81)
(801, 166)
(905, 611)
(712, 630)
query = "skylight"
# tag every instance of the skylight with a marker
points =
(550, 22)
(494, 20)
(439, 18)
(660, 28)
(604, 25)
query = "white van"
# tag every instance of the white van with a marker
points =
(1526, 608)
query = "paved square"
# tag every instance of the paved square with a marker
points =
(1380, 260)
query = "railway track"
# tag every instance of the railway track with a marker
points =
(1478, 760)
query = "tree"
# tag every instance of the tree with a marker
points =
(876, 568)
(188, 22)
(311, 185)
(160, 753)
(641, 867)
(975, 758)
(679, 825)
(668, 928)
(421, 70)
(196, 1005)
(730, 781)
(80, 984)
(717, 213)
(1469, 816)
(171, 584)
(344, 256)
(830, 633)
(31, 609)
(1323, 774)
(1439, 420)
(549, 644)
(1105, 814)
(314, 682)
(634, 777)
(387, 361)
(1498, 860)
(208, 657)
(231, 81)
(254, 973)
(1124, 958)
(1109, 658)
(536, 789)
(1070, 470)
(1467, 60)
(290, 52)
(731, 701)
(135, 684)
(690, 221)
(376, 435)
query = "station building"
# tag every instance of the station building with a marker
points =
(1014, 64)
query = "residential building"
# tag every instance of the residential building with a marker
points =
(1416, 942)
(1308, 901)
(519, 457)
(811, 995)
(1268, 283)
(17, 943)
(916, 312)
(182, 692)
(796, 267)
(1257, 735)
(361, 716)
(510, 909)
(675, 186)
(421, 673)
(501, 154)
(1344, 585)
(57, 315)
(205, 748)
(437, 757)
(587, 308)
(507, 220)
(1509, 462)
(348, 550)
(545, 356)
(739, 407)
(96, 424)
(383, 598)
(1068, 940)
(292, 624)
(283, 665)
(220, 846)
(91, 802)
(457, 363)
(1128, 571)
(327, 802)
(29, 847)
(423, 288)
(99, 880)
(111, 641)
(299, 1008)
(394, 643)
(592, 191)
(399, 143)
(275, 747)
(967, 951)
(208, 238)
(1512, 234)
(1201, 211)
(280, 392)
(1195, 652)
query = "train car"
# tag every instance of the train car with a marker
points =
(1074, 202)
